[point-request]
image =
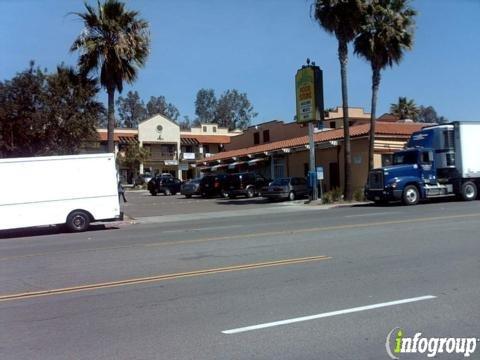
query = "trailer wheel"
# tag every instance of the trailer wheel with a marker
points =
(469, 191)
(411, 196)
(78, 221)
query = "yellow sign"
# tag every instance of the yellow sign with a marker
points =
(305, 91)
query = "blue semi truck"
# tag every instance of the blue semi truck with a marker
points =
(439, 161)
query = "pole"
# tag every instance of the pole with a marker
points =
(312, 158)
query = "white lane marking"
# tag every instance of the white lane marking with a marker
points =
(371, 214)
(324, 315)
(203, 228)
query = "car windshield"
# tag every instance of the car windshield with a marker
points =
(407, 157)
(280, 182)
(195, 181)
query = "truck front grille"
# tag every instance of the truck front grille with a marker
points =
(375, 180)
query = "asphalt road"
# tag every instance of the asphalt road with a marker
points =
(200, 289)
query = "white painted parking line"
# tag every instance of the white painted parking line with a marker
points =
(328, 314)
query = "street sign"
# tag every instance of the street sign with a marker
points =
(319, 172)
(309, 94)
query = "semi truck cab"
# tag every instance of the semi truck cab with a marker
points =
(439, 161)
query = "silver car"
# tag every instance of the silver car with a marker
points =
(290, 188)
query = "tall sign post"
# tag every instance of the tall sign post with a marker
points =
(309, 96)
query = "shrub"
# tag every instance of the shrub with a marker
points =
(358, 195)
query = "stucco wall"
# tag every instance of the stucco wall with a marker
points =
(147, 131)
(278, 131)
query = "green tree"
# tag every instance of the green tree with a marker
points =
(47, 114)
(234, 110)
(159, 105)
(387, 31)
(132, 157)
(428, 114)
(343, 19)
(185, 124)
(116, 42)
(405, 109)
(131, 110)
(205, 106)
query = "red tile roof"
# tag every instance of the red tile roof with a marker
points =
(386, 129)
(207, 139)
(118, 136)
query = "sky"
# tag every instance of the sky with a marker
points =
(256, 46)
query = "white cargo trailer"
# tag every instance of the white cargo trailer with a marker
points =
(74, 190)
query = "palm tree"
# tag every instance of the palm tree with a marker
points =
(387, 31)
(115, 42)
(343, 19)
(405, 109)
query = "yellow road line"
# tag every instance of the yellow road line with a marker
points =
(250, 235)
(158, 278)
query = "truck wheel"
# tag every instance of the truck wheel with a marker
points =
(78, 221)
(411, 196)
(469, 191)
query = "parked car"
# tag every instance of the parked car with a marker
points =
(143, 179)
(290, 188)
(213, 185)
(167, 185)
(248, 184)
(191, 187)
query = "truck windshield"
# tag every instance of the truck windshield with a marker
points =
(408, 157)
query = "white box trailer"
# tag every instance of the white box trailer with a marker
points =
(467, 138)
(73, 190)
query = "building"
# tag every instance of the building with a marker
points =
(334, 117)
(177, 152)
(289, 157)
(265, 133)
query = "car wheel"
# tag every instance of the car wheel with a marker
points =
(469, 191)
(291, 196)
(224, 194)
(250, 192)
(78, 221)
(411, 196)
(188, 196)
(168, 192)
(153, 192)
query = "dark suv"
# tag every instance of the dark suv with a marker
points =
(247, 184)
(213, 185)
(167, 185)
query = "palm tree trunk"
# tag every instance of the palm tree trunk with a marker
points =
(375, 86)
(111, 120)
(343, 57)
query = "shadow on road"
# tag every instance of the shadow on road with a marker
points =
(254, 201)
(446, 200)
(48, 230)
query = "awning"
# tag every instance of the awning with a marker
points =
(254, 161)
(216, 167)
(235, 164)
(127, 140)
(188, 141)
